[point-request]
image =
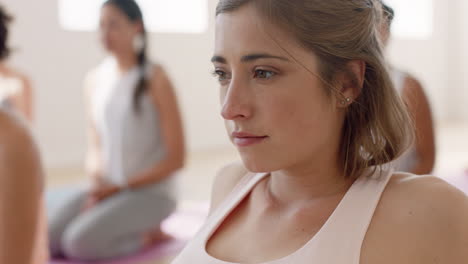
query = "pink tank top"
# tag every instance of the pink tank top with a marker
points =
(338, 241)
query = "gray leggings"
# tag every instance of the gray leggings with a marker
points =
(113, 228)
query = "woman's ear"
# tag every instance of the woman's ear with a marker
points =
(351, 81)
(139, 26)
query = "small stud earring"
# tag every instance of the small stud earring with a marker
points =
(345, 101)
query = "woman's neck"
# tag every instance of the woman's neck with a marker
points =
(4, 69)
(125, 62)
(302, 184)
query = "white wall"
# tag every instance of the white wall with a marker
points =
(57, 61)
(428, 59)
(440, 62)
(458, 64)
(463, 58)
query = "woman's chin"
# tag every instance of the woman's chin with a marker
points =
(256, 165)
(109, 48)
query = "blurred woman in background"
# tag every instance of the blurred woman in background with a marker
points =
(136, 145)
(15, 87)
(420, 158)
(22, 223)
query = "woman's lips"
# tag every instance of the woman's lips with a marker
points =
(243, 139)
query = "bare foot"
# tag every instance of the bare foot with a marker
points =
(156, 236)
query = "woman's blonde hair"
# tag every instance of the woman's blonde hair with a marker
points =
(377, 127)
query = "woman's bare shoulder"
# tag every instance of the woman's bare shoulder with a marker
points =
(421, 217)
(426, 194)
(13, 130)
(225, 181)
(18, 155)
(158, 74)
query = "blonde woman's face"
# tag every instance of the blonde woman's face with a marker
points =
(276, 110)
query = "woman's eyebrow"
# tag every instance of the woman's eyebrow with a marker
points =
(257, 56)
(249, 58)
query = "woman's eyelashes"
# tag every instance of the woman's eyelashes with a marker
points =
(261, 74)
(221, 75)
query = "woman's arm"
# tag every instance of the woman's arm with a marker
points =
(446, 238)
(418, 105)
(458, 244)
(163, 96)
(20, 193)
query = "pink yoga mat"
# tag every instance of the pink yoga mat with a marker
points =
(157, 252)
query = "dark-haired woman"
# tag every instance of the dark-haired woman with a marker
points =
(15, 87)
(136, 145)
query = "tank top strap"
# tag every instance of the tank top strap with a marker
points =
(238, 193)
(347, 226)
(9, 86)
(338, 241)
(195, 249)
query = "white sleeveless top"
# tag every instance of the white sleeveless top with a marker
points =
(8, 87)
(407, 161)
(339, 241)
(130, 140)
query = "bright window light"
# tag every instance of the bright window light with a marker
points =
(166, 16)
(413, 18)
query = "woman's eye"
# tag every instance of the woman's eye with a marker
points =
(221, 75)
(263, 74)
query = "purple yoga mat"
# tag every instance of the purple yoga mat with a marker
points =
(159, 251)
